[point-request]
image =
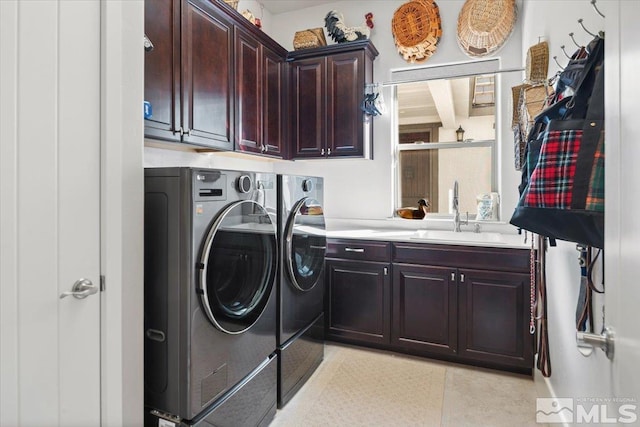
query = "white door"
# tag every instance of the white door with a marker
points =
(622, 224)
(49, 212)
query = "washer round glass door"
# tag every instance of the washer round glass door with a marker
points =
(238, 266)
(305, 244)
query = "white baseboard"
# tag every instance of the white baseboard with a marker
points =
(544, 389)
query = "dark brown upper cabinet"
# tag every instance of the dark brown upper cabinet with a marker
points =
(213, 79)
(162, 69)
(188, 73)
(207, 70)
(260, 94)
(327, 89)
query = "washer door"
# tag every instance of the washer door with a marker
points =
(238, 266)
(305, 244)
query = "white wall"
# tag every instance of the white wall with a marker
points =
(573, 375)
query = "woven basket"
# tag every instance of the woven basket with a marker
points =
(516, 93)
(310, 38)
(417, 29)
(485, 25)
(232, 3)
(537, 62)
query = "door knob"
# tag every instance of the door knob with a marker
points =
(81, 289)
(605, 341)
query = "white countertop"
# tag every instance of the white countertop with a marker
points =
(490, 235)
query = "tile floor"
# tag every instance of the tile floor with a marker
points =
(362, 387)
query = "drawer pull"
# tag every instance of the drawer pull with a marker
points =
(453, 277)
(322, 248)
(462, 278)
(358, 250)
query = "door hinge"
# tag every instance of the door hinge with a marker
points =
(102, 283)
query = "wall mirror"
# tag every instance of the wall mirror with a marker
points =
(446, 133)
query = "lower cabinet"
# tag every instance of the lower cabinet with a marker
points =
(494, 317)
(358, 301)
(425, 307)
(471, 305)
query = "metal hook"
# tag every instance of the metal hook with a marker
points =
(555, 58)
(574, 40)
(565, 52)
(584, 28)
(593, 3)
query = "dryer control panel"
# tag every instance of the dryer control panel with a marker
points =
(209, 186)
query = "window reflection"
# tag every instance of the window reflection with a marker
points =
(429, 157)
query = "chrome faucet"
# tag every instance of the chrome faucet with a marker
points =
(456, 211)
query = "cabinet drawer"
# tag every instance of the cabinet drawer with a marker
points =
(358, 249)
(503, 259)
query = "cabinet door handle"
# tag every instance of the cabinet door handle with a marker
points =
(358, 250)
(328, 151)
(462, 278)
(386, 271)
(453, 277)
(322, 152)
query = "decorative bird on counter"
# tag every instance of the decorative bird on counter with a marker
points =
(415, 213)
(340, 33)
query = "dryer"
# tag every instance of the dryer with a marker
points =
(301, 231)
(211, 261)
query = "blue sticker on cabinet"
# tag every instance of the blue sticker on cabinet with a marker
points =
(147, 110)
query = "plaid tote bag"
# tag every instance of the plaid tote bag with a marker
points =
(563, 195)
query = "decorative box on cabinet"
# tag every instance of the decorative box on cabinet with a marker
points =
(327, 90)
(358, 292)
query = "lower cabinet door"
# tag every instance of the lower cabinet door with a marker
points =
(494, 317)
(358, 301)
(424, 308)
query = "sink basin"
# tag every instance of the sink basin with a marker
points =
(371, 233)
(460, 237)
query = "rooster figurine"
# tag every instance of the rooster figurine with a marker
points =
(340, 33)
(415, 213)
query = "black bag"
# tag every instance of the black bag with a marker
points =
(562, 188)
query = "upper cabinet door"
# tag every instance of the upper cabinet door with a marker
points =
(308, 84)
(248, 77)
(345, 92)
(207, 70)
(162, 69)
(273, 90)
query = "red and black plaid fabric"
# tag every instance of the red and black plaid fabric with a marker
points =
(551, 182)
(595, 197)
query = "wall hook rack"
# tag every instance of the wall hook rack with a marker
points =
(585, 28)
(593, 3)
(565, 52)
(574, 40)
(555, 58)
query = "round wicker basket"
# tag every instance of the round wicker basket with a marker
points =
(537, 62)
(417, 29)
(485, 25)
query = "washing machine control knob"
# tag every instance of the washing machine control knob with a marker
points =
(307, 185)
(244, 184)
